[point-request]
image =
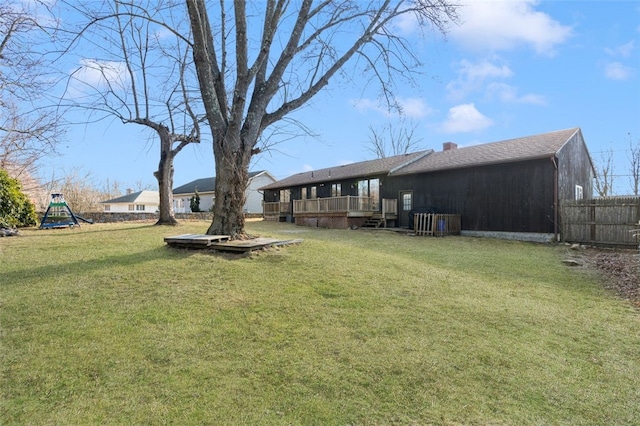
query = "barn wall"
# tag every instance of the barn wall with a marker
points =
(574, 168)
(512, 197)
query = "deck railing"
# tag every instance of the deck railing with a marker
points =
(277, 208)
(346, 204)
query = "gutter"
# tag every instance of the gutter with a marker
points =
(556, 214)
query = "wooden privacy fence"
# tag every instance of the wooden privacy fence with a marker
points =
(601, 221)
(437, 225)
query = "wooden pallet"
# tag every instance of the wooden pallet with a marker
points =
(195, 240)
(223, 243)
(252, 244)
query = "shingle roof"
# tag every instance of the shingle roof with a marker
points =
(353, 170)
(544, 145)
(526, 148)
(204, 185)
(141, 197)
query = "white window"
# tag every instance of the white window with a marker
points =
(407, 203)
(132, 207)
(107, 207)
(579, 192)
(140, 207)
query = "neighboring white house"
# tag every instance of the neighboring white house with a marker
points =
(206, 191)
(133, 202)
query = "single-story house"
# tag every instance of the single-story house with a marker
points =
(134, 202)
(206, 191)
(513, 185)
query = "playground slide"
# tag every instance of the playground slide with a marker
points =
(83, 219)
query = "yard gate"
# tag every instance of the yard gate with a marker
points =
(607, 221)
(434, 224)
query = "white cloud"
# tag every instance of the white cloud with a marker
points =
(406, 24)
(472, 77)
(409, 107)
(414, 107)
(509, 94)
(505, 25)
(618, 71)
(94, 75)
(364, 104)
(465, 118)
(624, 50)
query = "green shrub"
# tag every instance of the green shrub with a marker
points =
(194, 203)
(16, 210)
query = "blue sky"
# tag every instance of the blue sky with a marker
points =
(510, 69)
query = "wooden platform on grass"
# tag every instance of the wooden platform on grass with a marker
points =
(223, 243)
(195, 240)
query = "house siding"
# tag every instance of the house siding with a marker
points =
(574, 168)
(512, 197)
(254, 199)
(124, 208)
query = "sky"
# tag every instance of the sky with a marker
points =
(506, 70)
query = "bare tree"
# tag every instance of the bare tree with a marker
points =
(390, 140)
(80, 189)
(30, 128)
(604, 174)
(249, 80)
(144, 78)
(634, 165)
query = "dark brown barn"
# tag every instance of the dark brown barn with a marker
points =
(508, 186)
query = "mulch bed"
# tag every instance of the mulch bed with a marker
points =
(620, 270)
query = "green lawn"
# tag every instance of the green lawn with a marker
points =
(106, 324)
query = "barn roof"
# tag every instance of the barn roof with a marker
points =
(347, 171)
(204, 185)
(544, 145)
(140, 197)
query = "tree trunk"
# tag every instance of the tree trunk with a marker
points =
(232, 177)
(164, 175)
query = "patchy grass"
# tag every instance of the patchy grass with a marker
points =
(105, 324)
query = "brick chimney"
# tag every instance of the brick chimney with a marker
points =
(448, 146)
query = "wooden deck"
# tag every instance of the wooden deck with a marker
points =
(224, 243)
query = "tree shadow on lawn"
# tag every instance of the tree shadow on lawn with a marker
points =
(85, 266)
(67, 231)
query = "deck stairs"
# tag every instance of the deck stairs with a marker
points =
(375, 221)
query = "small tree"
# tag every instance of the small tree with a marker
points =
(391, 140)
(194, 202)
(634, 162)
(16, 209)
(604, 174)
